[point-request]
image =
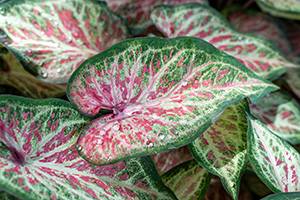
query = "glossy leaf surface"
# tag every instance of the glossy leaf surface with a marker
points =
(137, 12)
(285, 196)
(264, 25)
(14, 75)
(222, 148)
(51, 38)
(201, 21)
(274, 161)
(188, 180)
(167, 160)
(38, 158)
(281, 114)
(288, 9)
(164, 93)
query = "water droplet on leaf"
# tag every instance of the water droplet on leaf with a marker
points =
(42, 32)
(149, 144)
(8, 22)
(184, 83)
(45, 75)
(55, 23)
(240, 38)
(68, 40)
(2, 10)
(116, 127)
(162, 137)
(79, 149)
(102, 132)
(28, 16)
(29, 50)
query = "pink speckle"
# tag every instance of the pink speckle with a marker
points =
(26, 189)
(53, 115)
(68, 113)
(53, 197)
(3, 109)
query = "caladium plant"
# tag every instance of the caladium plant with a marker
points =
(204, 22)
(163, 93)
(287, 9)
(281, 114)
(14, 75)
(165, 97)
(38, 158)
(51, 38)
(137, 12)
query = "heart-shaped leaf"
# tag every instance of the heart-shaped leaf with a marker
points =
(51, 38)
(264, 25)
(281, 114)
(38, 158)
(137, 12)
(167, 160)
(222, 148)
(14, 75)
(202, 21)
(285, 196)
(164, 93)
(274, 161)
(188, 180)
(288, 9)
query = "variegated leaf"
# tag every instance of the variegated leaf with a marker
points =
(281, 114)
(222, 148)
(288, 9)
(137, 12)
(188, 180)
(264, 25)
(274, 161)
(52, 38)
(201, 21)
(216, 191)
(284, 196)
(38, 158)
(167, 160)
(14, 75)
(254, 184)
(164, 93)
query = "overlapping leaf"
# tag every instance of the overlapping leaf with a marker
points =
(281, 196)
(164, 94)
(275, 162)
(167, 160)
(287, 9)
(188, 180)
(222, 149)
(281, 114)
(38, 158)
(14, 75)
(137, 12)
(264, 25)
(51, 38)
(202, 21)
